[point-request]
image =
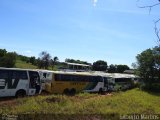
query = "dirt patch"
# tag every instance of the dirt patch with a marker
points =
(44, 93)
(8, 102)
(54, 99)
(81, 98)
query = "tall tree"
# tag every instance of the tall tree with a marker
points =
(149, 65)
(112, 68)
(2, 52)
(100, 65)
(54, 61)
(157, 21)
(32, 60)
(44, 60)
(122, 68)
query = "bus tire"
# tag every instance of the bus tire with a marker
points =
(20, 93)
(100, 91)
(66, 91)
(72, 91)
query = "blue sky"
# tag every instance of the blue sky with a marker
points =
(89, 30)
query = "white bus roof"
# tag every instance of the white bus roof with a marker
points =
(70, 73)
(115, 75)
(76, 64)
(4, 68)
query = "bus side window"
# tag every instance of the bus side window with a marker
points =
(3, 78)
(23, 75)
(19, 75)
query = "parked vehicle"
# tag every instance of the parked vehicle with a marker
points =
(19, 82)
(73, 82)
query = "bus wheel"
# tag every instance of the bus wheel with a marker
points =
(72, 92)
(20, 93)
(66, 91)
(100, 91)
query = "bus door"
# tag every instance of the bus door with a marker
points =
(105, 83)
(34, 86)
(111, 84)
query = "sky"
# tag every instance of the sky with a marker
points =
(89, 30)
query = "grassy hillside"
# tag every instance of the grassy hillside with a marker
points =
(22, 64)
(85, 105)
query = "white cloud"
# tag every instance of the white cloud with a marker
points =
(95, 3)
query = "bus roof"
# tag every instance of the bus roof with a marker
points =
(76, 64)
(115, 75)
(70, 73)
(4, 68)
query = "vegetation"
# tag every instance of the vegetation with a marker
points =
(117, 68)
(22, 64)
(149, 68)
(7, 59)
(100, 65)
(44, 60)
(85, 104)
(156, 22)
(54, 62)
(76, 61)
(33, 60)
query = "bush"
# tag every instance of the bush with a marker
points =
(8, 60)
(154, 87)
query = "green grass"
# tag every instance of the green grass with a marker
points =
(129, 102)
(22, 64)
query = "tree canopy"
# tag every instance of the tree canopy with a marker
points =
(76, 61)
(117, 68)
(100, 65)
(149, 66)
(7, 59)
(44, 60)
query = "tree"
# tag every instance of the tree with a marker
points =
(40, 63)
(156, 22)
(54, 61)
(149, 65)
(44, 60)
(76, 61)
(2, 52)
(23, 58)
(122, 68)
(100, 65)
(8, 60)
(149, 60)
(32, 60)
(112, 68)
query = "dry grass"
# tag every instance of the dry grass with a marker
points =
(129, 102)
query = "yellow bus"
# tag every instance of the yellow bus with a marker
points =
(73, 82)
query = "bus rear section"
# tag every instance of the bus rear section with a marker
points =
(18, 82)
(74, 83)
(122, 83)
